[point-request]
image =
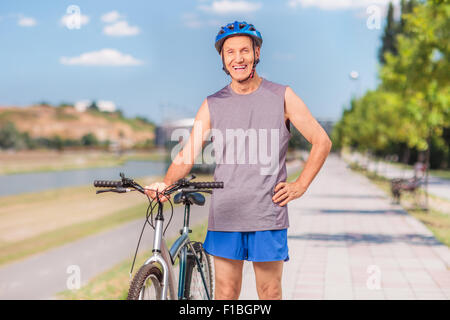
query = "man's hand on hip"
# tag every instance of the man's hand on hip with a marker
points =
(287, 191)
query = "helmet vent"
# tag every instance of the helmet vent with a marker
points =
(231, 27)
(252, 29)
(241, 26)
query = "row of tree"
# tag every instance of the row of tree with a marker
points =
(409, 111)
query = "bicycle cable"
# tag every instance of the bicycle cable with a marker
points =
(150, 223)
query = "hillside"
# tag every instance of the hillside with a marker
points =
(43, 121)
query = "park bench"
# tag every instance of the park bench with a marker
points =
(400, 185)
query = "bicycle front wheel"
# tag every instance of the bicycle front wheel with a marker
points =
(146, 284)
(196, 286)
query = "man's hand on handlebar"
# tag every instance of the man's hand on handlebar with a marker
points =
(157, 186)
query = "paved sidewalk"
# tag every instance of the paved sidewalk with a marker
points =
(347, 241)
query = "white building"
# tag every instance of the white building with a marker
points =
(103, 105)
(82, 105)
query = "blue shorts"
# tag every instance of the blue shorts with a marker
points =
(259, 246)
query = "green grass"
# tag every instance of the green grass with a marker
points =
(444, 174)
(437, 221)
(114, 283)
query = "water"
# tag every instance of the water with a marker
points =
(33, 182)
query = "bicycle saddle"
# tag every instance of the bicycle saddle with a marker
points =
(192, 197)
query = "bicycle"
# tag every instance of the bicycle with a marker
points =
(155, 280)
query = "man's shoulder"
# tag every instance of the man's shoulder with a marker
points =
(275, 87)
(222, 93)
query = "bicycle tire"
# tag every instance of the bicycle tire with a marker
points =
(141, 289)
(194, 288)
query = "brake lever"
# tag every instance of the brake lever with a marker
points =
(116, 190)
(195, 190)
(103, 190)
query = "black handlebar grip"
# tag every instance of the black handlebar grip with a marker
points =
(107, 183)
(207, 185)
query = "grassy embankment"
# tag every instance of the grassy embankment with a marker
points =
(114, 283)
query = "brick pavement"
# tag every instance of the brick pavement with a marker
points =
(347, 241)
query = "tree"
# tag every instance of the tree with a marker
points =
(419, 73)
(93, 106)
(388, 43)
(394, 28)
(89, 140)
(10, 137)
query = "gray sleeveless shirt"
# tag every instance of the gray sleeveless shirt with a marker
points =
(250, 140)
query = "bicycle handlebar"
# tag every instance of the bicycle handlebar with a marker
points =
(180, 184)
(107, 183)
(201, 185)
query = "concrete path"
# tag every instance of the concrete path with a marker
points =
(347, 241)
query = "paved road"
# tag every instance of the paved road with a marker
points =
(347, 241)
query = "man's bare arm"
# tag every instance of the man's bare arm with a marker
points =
(297, 113)
(302, 119)
(184, 161)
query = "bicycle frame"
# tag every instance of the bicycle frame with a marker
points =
(166, 258)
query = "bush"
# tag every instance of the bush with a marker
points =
(89, 140)
(10, 137)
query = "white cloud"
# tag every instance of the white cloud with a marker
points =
(227, 6)
(121, 28)
(191, 20)
(104, 57)
(70, 20)
(339, 4)
(111, 16)
(26, 21)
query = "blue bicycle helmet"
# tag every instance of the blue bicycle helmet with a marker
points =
(237, 28)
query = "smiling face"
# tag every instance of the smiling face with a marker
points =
(238, 56)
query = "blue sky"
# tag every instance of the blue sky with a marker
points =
(157, 58)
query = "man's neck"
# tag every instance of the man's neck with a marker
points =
(247, 86)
